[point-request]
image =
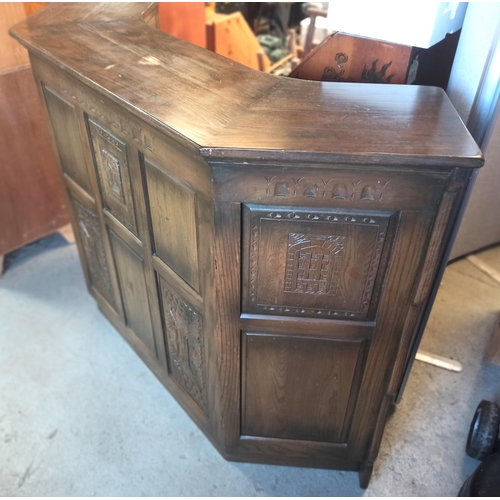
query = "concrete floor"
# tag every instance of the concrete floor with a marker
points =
(81, 415)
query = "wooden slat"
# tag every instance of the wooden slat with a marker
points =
(12, 54)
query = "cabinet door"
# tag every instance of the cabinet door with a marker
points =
(313, 262)
(299, 386)
(312, 279)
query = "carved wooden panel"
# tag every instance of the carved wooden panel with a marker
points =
(339, 187)
(64, 123)
(173, 219)
(299, 387)
(353, 189)
(88, 225)
(110, 157)
(312, 262)
(184, 337)
(129, 268)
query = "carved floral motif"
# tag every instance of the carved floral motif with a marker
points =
(94, 251)
(296, 187)
(183, 329)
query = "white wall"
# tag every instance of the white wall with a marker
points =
(480, 23)
(418, 24)
(475, 72)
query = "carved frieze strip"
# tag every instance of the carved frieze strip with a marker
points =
(323, 217)
(107, 114)
(303, 187)
(329, 313)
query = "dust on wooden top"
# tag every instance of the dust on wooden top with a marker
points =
(233, 112)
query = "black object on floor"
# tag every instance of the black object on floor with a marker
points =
(485, 481)
(483, 431)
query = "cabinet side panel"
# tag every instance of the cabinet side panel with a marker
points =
(129, 268)
(65, 126)
(174, 225)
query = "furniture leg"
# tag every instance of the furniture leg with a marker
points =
(365, 473)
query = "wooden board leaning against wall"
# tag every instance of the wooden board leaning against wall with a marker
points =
(32, 201)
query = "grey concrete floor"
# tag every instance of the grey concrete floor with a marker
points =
(80, 414)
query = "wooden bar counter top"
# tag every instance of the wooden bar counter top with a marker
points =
(269, 247)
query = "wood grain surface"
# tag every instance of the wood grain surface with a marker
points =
(246, 113)
(32, 201)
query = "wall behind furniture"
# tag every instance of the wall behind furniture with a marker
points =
(478, 32)
(472, 92)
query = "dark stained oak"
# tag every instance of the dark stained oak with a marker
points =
(245, 110)
(281, 372)
(269, 247)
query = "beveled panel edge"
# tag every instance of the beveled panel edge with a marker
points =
(79, 193)
(257, 324)
(225, 156)
(122, 232)
(184, 289)
(319, 450)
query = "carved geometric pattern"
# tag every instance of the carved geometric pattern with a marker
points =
(114, 179)
(110, 156)
(313, 264)
(184, 336)
(353, 190)
(94, 251)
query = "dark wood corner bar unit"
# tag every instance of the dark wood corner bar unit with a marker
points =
(269, 247)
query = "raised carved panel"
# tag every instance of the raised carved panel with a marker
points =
(184, 336)
(88, 225)
(306, 262)
(110, 157)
